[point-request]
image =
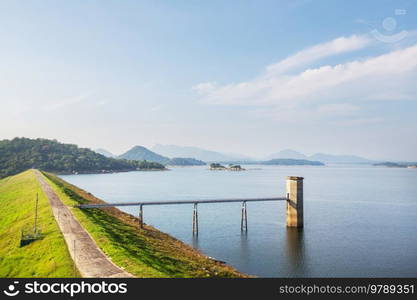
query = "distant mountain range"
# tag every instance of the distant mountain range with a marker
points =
(329, 158)
(197, 153)
(183, 155)
(105, 153)
(185, 161)
(141, 153)
(287, 153)
(325, 158)
(277, 162)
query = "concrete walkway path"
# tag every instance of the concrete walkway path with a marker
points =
(89, 259)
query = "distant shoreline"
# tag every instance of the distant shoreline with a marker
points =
(107, 172)
(396, 165)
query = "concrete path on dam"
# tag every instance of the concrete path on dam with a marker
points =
(88, 258)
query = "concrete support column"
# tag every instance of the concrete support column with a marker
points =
(244, 218)
(295, 213)
(195, 220)
(141, 216)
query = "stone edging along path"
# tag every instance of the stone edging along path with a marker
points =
(89, 259)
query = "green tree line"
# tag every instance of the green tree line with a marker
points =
(20, 154)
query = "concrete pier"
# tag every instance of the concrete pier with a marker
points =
(294, 199)
(295, 214)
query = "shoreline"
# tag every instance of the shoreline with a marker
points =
(189, 262)
(107, 172)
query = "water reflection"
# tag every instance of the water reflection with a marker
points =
(355, 246)
(195, 242)
(244, 252)
(295, 251)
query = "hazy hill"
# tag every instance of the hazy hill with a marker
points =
(142, 153)
(21, 154)
(197, 153)
(287, 153)
(291, 162)
(276, 161)
(325, 158)
(105, 152)
(329, 158)
(186, 161)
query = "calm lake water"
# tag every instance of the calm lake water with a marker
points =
(360, 221)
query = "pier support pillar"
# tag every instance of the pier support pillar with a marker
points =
(295, 214)
(195, 220)
(141, 216)
(244, 218)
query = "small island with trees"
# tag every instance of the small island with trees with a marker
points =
(220, 167)
(236, 165)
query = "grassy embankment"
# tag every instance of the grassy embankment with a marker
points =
(47, 257)
(142, 252)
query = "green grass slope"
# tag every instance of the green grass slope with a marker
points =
(145, 252)
(47, 257)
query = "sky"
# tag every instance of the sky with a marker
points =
(249, 77)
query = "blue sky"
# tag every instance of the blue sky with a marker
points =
(252, 77)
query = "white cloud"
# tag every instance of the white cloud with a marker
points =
(67, 102)
(156, 108)
(391, 74)
(338, 109)
(359, 121)
(333, 114)
(205, 87)
(314, 53)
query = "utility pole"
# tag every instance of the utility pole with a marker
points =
(36, 215)
(75, 261)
